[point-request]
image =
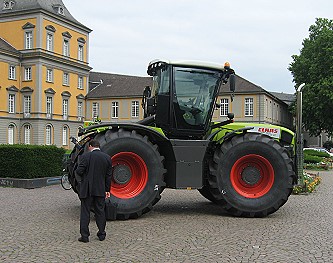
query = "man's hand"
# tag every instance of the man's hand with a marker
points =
(107, 195)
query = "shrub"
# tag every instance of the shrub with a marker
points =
(30, 161)
(328, 145)
(311, 158)
(316, 153)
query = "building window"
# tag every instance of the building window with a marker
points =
(95, 110)
(48, 135)
(11, 103)
(49, 75)
(80, 83)
(12, 72)
(11, 128)
(65, 109)
(27, 105)
(27, 73)
(224, 108)
(66, 48)
(115, 108)
(248, 106)
(27, 134)
(80, 109)
(135, 109)
(65, 80)
(48, 107)
(28, 40)
(65, 135)
(80, 53)
(49, 42)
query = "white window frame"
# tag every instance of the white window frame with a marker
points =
(11, 103)
(27, 73)
(27, 134)
(65, 109)
(49, 102)
(12, 72)
(95, 110)
(248, 107)
(135, 109)
(79, 109)
(28, 38)
(66, 47)
(49, 41)
(49, 75)
(27, 104)
(11, 133)
(65, 135)
(48, 134)
(115, 110)
(80, 82)
(224, 107)
(65, 79)
(80, 52)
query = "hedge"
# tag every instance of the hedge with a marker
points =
(316, 153)
(312, 158)
(30, 161)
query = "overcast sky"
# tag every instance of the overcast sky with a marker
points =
(257, 37)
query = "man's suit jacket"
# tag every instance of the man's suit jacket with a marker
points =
(95, 169)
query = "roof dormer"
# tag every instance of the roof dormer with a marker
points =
(8, 4)
(60, 9)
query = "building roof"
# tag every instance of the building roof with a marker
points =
(5, 46)
(24, 6)
(107, 85)
(285, 97)
(242, 86)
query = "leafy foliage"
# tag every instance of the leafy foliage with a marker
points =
(314, 67)
(311, 182)
(315, 153)
(328, 145)
(30, 161)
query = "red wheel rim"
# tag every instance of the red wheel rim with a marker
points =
(252, 176)
(138, 179)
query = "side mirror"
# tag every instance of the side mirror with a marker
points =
(232, 81)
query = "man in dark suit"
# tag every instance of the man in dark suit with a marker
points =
(95, 170)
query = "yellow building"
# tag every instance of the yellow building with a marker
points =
(44, 72)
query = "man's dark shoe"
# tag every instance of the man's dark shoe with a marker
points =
(83, 239)
(101, 238)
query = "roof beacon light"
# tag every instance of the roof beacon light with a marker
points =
(226, 65)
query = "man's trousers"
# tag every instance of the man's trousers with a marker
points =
(98, 203)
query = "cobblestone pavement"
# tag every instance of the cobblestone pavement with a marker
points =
(42, 225)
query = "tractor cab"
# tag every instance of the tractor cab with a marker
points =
(183, 96)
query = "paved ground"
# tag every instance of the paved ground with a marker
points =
(42, 225)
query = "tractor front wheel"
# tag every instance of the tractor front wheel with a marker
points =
(252, 173)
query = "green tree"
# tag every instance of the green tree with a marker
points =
(314, 67)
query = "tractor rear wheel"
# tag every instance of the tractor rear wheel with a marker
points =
(252, 173)
(138, 172)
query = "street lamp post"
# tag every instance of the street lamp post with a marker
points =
(299, 135)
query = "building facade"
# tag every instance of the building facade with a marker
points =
(44, 72)
(47, 89)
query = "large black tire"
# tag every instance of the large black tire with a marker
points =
(206, 192)
(138, 172)
(251, 174)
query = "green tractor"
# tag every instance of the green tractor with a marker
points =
(247, 169)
